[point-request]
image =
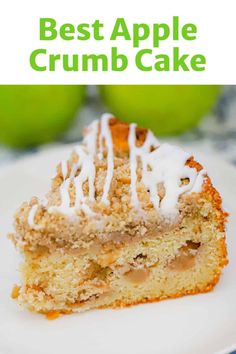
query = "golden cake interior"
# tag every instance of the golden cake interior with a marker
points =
(75, 263)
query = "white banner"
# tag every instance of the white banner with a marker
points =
(118, 42)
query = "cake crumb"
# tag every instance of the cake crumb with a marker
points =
(15, 292)
(52, 315)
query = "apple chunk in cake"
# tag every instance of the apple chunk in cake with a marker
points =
(127, 220)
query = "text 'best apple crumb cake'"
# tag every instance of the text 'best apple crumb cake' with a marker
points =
(127, 220)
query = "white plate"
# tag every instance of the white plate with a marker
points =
(202, 324)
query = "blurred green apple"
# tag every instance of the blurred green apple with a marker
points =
(166, 109)
(32, 115)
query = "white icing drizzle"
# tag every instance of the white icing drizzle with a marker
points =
(86, 165)
(105, 134)
(86, 155)
(64, 169)
(199, 182)
(65, 196)
(135, 152)
(31, 217)
(165, 165)
(133, 165)
(161, 164)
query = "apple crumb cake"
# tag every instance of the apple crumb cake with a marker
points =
(127, 220)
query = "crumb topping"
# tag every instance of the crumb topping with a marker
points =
(120, 167)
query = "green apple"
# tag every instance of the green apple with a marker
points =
(166, 109)
(32, 115)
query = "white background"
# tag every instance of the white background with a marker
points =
(19, 36)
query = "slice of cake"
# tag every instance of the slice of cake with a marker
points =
(127, 220)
